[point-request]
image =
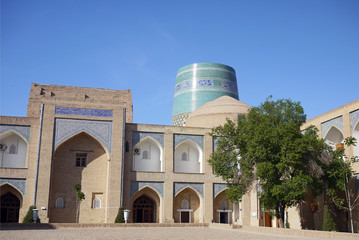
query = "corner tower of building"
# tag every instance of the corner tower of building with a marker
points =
(199, 83)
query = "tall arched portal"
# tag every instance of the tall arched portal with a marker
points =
(79, 160)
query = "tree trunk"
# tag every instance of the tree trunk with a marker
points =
(280, 214)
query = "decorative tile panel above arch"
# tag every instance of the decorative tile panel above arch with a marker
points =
(179, 186)
(138, 136)
(217, 188)
(22, 130)
(83, 112)
(178, 138)
(337, 122)
(354, 117)
(66, 128)
(19, 184)
(136, 186)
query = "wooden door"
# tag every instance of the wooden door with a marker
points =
(185, 217)
(10, 206)
(143, 210)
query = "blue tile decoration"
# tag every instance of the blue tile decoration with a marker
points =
(199, 83)
(83, 112)
(21, 130)
(100, 130)
(217, 188)
(137, 186)
(19, 184)
(178, 138)
(354, 118)
(138, 136)
(337, 122)
(179, 186)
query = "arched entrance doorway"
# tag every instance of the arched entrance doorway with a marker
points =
(222, 208)
(10, 206)
(143, 210)
(186, 206)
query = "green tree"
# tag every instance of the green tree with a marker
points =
(79, 197)
(120, 217)
(267, 145)
(328, 223)
(339, 178)
(29, 216)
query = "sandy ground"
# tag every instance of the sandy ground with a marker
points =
(141, 233)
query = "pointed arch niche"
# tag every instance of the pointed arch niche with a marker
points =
(187, 206)
(188, 157)
(15, 153)
(334, 136)
(148, 156)
(91, 173)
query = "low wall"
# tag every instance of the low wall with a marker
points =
(25, 226)
(299, 232)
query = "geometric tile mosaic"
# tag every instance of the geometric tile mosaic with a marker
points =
(178, 138)
(19, 184)
(138, 136)
(83, 112)
(136, 186)
(22, 130)
(179, 186)
(217, 188)
(66, 128)
(337, 122)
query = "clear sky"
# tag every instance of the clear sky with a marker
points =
(306, 50)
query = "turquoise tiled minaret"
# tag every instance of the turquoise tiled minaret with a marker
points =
(199, 83)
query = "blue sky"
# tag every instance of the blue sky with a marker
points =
(306, 50)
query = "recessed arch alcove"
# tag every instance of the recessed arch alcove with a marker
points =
(187, 206)
(80, 159)
(356, 135)
(15, 153)
(147, 156)
(188, 157)
(222, 208)
(334, 136)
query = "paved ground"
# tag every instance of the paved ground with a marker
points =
(145, 233)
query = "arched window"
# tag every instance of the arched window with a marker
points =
(12, 149)
(184, 156)
(97, 203)
(145, 155)
(223, 204)
(185, 204)
(59, 203)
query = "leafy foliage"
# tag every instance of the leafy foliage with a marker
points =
(339, 174)
(29, 216)
(120, 216)
(267, 145)
(328, 223)
(79, 197)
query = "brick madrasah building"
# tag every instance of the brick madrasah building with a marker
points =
(76, 135)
